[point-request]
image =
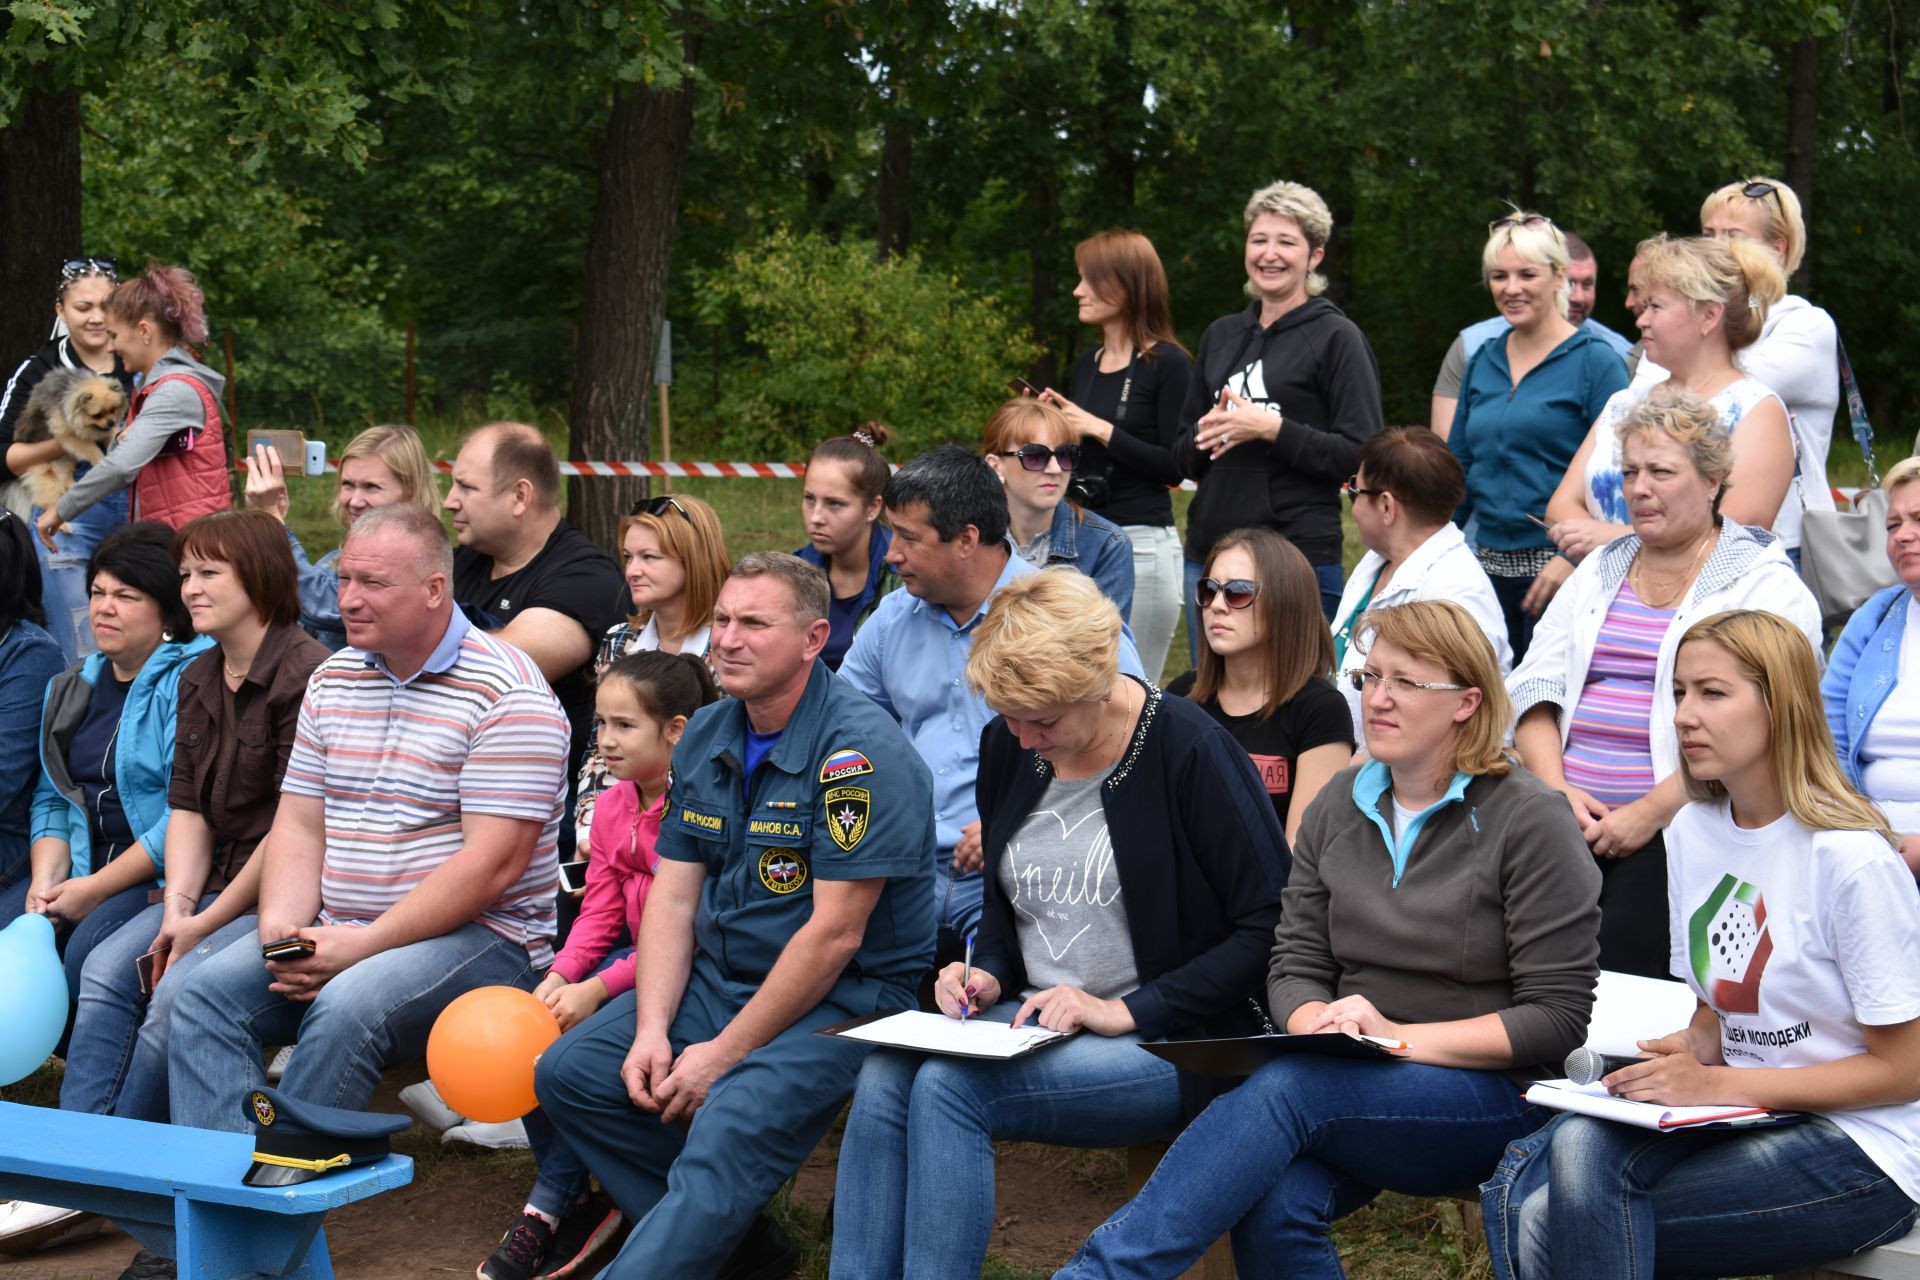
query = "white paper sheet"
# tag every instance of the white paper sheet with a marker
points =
(936, 1033)
(1627, 1008)
(1594, 1100)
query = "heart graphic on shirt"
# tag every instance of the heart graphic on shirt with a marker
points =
(1093, 885)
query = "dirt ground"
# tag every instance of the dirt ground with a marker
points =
(453, 1213)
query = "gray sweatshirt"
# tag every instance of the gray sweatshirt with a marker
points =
(1498, 911)
(171, 409)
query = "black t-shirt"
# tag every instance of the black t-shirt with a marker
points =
(1316, 716)
(570, 575)
(1139, 464)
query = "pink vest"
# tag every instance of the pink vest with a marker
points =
(182, 483)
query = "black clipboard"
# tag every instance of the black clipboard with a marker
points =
(1244, 1055)
(839, 1031)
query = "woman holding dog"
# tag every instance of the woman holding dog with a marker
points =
(79, 343)
(173, 452)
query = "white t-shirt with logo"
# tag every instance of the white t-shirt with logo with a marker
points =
(1797, 939)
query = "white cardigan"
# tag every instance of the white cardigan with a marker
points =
(1747, 570)
(1441, 568)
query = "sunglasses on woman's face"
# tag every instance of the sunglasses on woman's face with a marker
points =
(1034, 457)
(1239, 592)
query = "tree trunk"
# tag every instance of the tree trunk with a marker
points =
(642, 162)
(1801, 119)
(895, 223)
(39, 215)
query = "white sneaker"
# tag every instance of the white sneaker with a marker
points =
(429, 1107)
(509, 1135)
(278, 1067)
(27, 1226)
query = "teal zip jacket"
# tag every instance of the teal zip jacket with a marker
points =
(142, 759)
(1516, 442)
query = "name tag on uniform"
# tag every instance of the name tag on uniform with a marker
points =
(703, 821)
(788, 830)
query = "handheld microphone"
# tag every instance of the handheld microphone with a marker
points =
(1586, 1066)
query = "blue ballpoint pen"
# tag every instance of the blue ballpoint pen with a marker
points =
(966, 979)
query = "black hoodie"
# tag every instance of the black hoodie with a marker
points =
(1313, 366)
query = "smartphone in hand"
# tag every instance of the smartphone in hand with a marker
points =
(294, 948)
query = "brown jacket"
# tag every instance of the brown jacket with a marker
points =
(228, 770)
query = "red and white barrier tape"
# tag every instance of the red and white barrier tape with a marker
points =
(697, 470)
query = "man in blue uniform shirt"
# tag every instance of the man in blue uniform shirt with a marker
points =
(795, 890)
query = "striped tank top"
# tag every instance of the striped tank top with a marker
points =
(1607, 753)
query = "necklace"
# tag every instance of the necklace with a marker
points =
(1664, 586)
(228, 668)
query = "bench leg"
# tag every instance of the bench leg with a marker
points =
(224, 1242)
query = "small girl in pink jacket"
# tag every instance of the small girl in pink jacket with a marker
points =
(643, 704)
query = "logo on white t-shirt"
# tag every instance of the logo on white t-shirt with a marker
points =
(1729, 945)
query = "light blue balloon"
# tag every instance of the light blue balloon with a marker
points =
(33, 997)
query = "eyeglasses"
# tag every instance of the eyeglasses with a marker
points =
(1353, 490)
(1519, 220)
(659, 507)
(1240, 592)
(1397, 686)
(1033, 457)
(1761, 190)
(74, 268)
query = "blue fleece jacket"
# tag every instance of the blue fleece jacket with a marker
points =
(1515, 442)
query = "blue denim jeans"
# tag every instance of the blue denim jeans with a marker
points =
(1304, 1142)
(1332, 579)
(561, 1176)
(958, 898)
(117, 1054)
(916, 1178)
(63, 573)
(366, 1018)
(1587, 1199)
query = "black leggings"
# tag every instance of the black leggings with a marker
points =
(1633, 911)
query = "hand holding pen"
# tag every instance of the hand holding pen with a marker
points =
(960, 990)
(966, 978)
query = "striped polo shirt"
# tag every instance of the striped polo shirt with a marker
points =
(397, 762)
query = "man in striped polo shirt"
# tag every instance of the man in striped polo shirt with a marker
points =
(412, 853)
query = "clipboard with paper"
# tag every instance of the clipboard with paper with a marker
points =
(920, 1032)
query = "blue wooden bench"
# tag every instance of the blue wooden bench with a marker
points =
(178, 1191)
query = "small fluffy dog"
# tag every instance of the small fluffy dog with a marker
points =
(80, 409)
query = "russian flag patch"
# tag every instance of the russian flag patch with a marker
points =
(841, 765)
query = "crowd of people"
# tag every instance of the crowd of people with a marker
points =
(1566, 714)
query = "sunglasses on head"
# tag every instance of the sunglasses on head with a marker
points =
(659, 507)
(1761, 190)
(1240, 592)
(74, 268)
(1034, 457)
(1519, 220)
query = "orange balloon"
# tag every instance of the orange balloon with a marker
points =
(481, 1052)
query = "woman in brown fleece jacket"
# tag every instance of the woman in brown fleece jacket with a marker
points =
(1441, 898)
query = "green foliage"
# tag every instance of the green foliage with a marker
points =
(303, 307)
(836, 338)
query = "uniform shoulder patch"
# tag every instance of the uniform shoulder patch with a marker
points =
(848, 811)
(843, 764)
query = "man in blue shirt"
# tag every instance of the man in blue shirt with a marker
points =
(949, 515)
(794, 891)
